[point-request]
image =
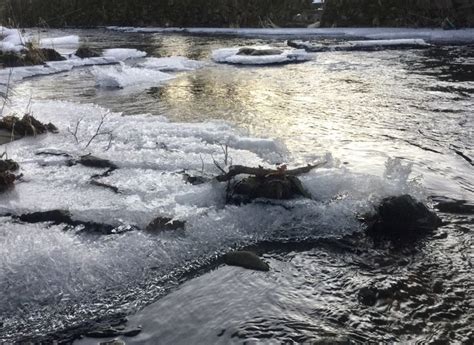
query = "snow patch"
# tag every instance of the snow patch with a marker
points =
(11, 40)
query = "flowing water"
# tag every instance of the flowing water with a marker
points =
(389, 122)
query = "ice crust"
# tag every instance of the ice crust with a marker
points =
(11, 40)
(172, 64)
(429, 35)
(45, 270)
(229, 55)
(121, 76)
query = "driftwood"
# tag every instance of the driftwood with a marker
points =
(235, 170)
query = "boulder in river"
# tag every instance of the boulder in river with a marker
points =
(247, 260)
(402, 218)
(259, 52)
(86, 52)
(96, 162)
(160, 224)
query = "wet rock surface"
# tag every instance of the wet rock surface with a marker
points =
(7, 176)
(86, 52)
(160, 224)
(258, 52)
(246, 259)
(26, 126)
(402, 218)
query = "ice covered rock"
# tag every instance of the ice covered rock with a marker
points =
(259, 56)
(86, 52)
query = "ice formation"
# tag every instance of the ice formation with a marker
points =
(122, 54)
(229, 55)
(429, 35)
(172, 64)
(121, 76)
(11, 40)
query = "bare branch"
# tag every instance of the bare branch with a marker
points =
(98, 132)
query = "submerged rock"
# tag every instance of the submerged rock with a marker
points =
(113, 332)
(247, 260)
(402, 218)
(29, 57)
(160, 224)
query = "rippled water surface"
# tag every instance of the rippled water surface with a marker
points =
(363, 108)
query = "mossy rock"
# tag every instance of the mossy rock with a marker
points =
(26, 126)
(160, 224)
(86, 52)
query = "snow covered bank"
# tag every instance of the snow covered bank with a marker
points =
(437, 36)
(233, 56)
(11, 40)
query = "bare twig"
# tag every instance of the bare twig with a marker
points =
(74, 134)
(98, 132)
(5, 98)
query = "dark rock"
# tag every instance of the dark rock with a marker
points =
(86, 52)
(8, 165)
(7, 178)
(55, 216)
(49, 54)
(164, 224)
(107, 332)
(258, 52)
(27, 125)
(132, 332)
(246, 259)
(402, 218)
(271, 187)
(368, 296)
(195, 180)
(96, 162)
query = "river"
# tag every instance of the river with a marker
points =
(388, 122)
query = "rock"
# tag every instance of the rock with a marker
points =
(368, 296)
(258, 52)
(7, 178)
(107, 332)
(49, 54)
(271, 187)
(96, 162)
(247, 260)
(27, 125)
(8, 165)
(160, 224)
(402, 218)
(86, 52)
(54, 216)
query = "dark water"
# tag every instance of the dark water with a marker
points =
(363, 107)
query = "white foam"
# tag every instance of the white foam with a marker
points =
(229, 55)
(172, 64)
(122, 76)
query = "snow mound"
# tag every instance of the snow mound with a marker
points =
(230, 55)
(122, 54)
(392, 42)
(11, 40)
(172, 64)
(121, 76)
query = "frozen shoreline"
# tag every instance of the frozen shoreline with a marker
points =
(438, 36)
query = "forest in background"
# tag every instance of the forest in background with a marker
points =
(177, 13)
(236, 13)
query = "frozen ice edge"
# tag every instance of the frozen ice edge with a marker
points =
(437, 36)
